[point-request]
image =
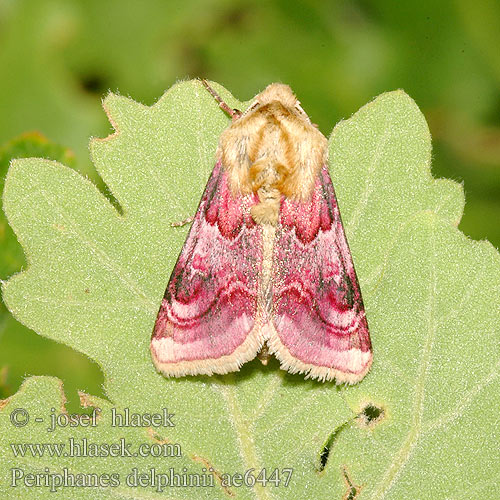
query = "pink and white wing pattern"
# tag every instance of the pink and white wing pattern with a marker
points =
(209, 308)
(320, 327)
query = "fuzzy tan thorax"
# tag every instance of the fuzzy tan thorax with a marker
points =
(273, 149)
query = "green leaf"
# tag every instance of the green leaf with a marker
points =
(25, 145)
(21, 350)
(421, 425)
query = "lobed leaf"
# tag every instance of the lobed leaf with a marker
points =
(422, 424)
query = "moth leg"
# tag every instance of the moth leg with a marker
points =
(181, 223)
(264, 355)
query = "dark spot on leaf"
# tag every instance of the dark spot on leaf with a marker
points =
(327, 447)
(353, 490)
(371, 414)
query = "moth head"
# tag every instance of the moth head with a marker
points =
(277, 93)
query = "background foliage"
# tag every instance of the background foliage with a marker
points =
(60, 57)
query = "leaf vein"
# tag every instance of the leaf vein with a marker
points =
(403, 455)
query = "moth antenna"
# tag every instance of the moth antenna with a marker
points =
(233, 113)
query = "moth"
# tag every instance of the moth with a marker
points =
(266, 268)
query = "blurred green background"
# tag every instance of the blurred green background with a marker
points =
(60, 57)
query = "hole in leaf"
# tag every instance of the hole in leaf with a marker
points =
(352, 489)
(323, 456)
(371, 414)
(327, 447)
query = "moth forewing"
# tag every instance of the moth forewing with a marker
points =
(266, 260)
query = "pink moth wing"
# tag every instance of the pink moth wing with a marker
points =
(319, 317)
(266, 259)
(210, 303)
